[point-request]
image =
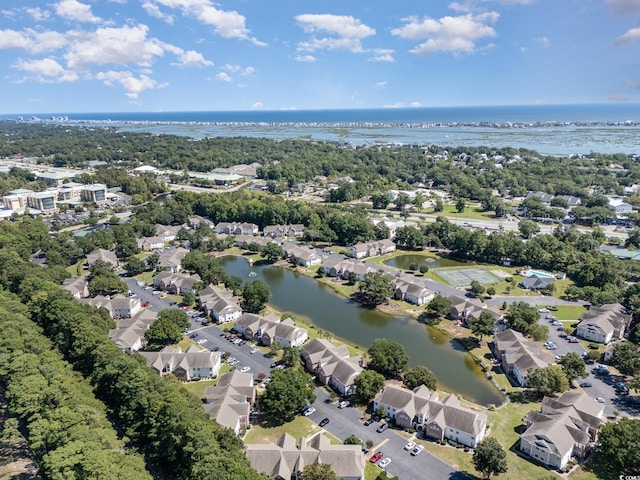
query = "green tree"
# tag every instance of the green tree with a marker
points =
(440, 305)
(409, 237)
(352, 440)
(387, 357)
(274, 348)
(528, 228)
(420, 375)
(255, 296)
(573, 366)
(491, 291)
(288, 390)
(620, 444)
(438, 206)
(423, 269)
(234, 283)
(291, 356)
(461, 204)
(548, 380)
(476, 288)
(626, 358)
(368, 383)
(318, 471)
(177, 316)
(163, 332)
(188, 299)
(272, 252)
(429, 318)
(134, 266)
(375, 288)
(539, 333)
(483, 325)
(521, 316)
(489, 458)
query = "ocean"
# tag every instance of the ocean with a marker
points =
(547, 129)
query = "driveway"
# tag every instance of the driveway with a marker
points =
(347, 421)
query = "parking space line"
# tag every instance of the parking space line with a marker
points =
(379, 446)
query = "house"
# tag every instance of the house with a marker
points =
(536, 283)
(563, 428)
(371, 249)
(129, 335)
(77, 286)
(185, 366)
(243, 241)
(464, 308)
(118, 306)
(604, 324)
(542, 196)
(332, 365)
(302, 255)
(104, 256)
(278, 231)
(518, 355)
(197, 221)
(236, 228)
(150, 243)
(356, 268)
(270, 329)
(171, 259)
(570, 199)
(167, 232)
(176, 283)
(229, 402)
(220, 304)
(421, 409)
(413, 293)
(619, 206)
(285, 460)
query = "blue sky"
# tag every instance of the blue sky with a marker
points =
(184, 55)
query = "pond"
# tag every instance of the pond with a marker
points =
(403, 262)
(320, 305)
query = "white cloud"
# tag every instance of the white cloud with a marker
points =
(632, 35)
(32, 41)
(256, 105)
(516, 2)
(382, 55)
(632, 84)
(132, 85)
(305, 58)
(227, 24)
(37, 14)
(622, 7)
(154, 11)
(242, 71)
(224, 77)
(45, 70)
(448, 34)
(348, 32)
(381, 85)
(403, 105)
(118, 46)
(544, 41)
(74, 10)
(192, 59)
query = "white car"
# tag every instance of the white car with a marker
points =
(309, 411)
(254, 350)
(600, 400)
(384, 462)
(344, 404)
(201, 341)
(417, 450)
(156, 292)
(245, 369)
(543, 310)
(410, 445)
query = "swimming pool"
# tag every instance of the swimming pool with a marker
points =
(538, 274)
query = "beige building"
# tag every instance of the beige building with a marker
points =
(229, 402)
(518, 354)
(185, 366)
(604, 324)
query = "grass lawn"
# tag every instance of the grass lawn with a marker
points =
(298, 427)
(197, 388)
(371, 471)
(146, 277)
(569, 312)
(76, 269)
(471, 212)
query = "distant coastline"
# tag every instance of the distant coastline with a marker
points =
(549, 129)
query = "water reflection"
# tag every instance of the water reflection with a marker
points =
(307, 298)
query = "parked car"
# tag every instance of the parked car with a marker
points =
(309, 411)
(600, 400)
(375, 457)
(410, 445)
(245, 369)
(382, 428)
(323, 422)
(417, 450)
(368, 421)
(586, 384)
(384, 463)
(543, 310)
(344, 404)
(254, 350)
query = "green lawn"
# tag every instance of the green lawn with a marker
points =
(76, 269)
(471, 212)
(197, 388)
(569, 312)
(371, 471)
(146, 277)
(298, 427)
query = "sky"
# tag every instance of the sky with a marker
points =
(207, 55)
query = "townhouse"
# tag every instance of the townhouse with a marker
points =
(604, 324)
(220, 304)
(412, 292)
(301, 255)
(286, 231)
(518, 355)
(371, 249)
(563, 428)
(184, 366)
(77, 286)
(270, 329)
(168, 233)
(284, 459)
(171, 259)
(234, 228)
(422, 410)
(464, 308)
(230, 401)
(103, 255)
(150, 243)
(176, 283)
(118, 306)
(332, 365)
(129, 334)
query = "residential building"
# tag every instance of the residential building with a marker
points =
(77, 286)
(543, 196)
(103, 255)
(619, 206)
(171, 259)
(168, 232)
(422, 410)
(243, 241)
(604, 324)
(284, 460)
(176, 283)
(464, 308)
(185, 366)
(229, 402)
(234, 228)
(118, 306)
(332, 365)
(412, 292)
(518, 355)
(129, 334)
(150, 243)
(536, 283)
(371, 249)
(563, 428)
(270, 329)
(301, 254)
(197, 221)
(220, 304)
(279, 231)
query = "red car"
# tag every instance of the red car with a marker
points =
(375, 457)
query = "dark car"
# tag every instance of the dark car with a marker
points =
(323, 422)
(368, 421)
(586, 384)
(304, 408)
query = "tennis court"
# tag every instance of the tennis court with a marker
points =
(462, 277)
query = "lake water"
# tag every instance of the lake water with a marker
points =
(403, 262)
(320, 305)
